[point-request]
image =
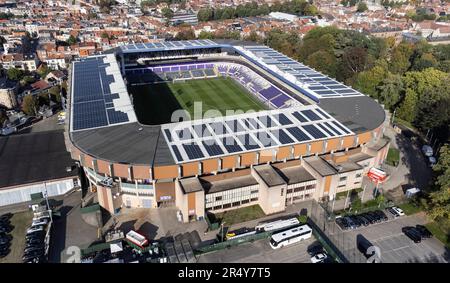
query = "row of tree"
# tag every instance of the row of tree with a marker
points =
(297, 7)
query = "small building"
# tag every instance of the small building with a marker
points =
(35, 163)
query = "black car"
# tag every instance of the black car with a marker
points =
(375, 216)
(369, 218)
(33, 254)
(38, 259)
(342, 223)
(37, 240)
(35, 235)
(4, 241)
(412, 233)
(350, 223)
(4, 222)
(4, 251)
(5, 228)
(355, 220)
(315, 249)
(33, 248)
(381, 214)
(424, 232)
(363, 220)
(6, 216)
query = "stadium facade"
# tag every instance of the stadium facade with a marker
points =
(317, 137)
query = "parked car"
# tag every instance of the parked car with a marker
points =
(6, 216)
(432, 160)
(356, 220)
(5, 236)
(412, 233)
(392, 212)
(33, 254)
(5, 229)
(39, 222)
(35, 240)
(31, 249)
(315, 249)
(427, 150)
(4, 240)
(424, 232)
(398, 210)
(320, 257)
(381, 214)
(342, 223)
(369, 218)
(36, 234)
(350, 223)
(35, 229)
(4, 251)
(363, 220)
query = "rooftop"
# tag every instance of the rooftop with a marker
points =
(269, 175)
(34, 157)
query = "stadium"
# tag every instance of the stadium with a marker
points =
(209, 126)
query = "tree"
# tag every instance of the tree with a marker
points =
(72, 40)
(408, 108)
(206, 35)
(426, 60)
(55, 93)
(167, 13)
(323, 61)
(440, 199)
(400, 58)
(389, 91)
(29, 105)
(368, 81)
(185, 34)
(205, 14)
(434, 107)
(354, 61)
(15, 74)
(362, 7)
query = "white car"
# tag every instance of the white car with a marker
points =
(398, 210)
(35, 229)
(427, 150)
(319, 257)
(38, 222)
(432, 160)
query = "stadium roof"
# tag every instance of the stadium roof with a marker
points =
(99, 94)
(167, 45)
(214, 137)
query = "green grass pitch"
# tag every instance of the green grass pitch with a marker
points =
(155, 103)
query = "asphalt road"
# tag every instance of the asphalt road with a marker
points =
(260, 252)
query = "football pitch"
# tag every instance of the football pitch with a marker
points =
(155, 103)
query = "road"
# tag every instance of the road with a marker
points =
(260, 252)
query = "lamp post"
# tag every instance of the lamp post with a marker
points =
(46, 200)
(221, 225)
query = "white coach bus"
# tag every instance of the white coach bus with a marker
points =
(277, 225)
(290, 236)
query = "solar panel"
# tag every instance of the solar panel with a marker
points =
(218, 128)
(184, 134)
(340, 127)
(311, 115)
(311, 129)
(212, 147)
(235, 126)
(282, 136)
(177, 153)
(332, 128)
(299, 117)
(193, 151)
(266, 121)
(231, 145)
(325, 115)
(168, 135)
(265, 139)
(325, 129)
(298, 134)
(248, 142)
(201, 130)
(282, 119)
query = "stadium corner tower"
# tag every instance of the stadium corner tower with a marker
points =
(311, 138)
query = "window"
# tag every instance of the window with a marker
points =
(341, 186)
(228, 205)
(288, 191)
(254, 199)
(238, 203)
(358, 175)
(282, 191)
(254, 192)
(219, 198)
(310, 187)
(217, 207)
(245, 201)
(342, 178)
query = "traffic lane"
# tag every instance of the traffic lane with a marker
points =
(261, 252)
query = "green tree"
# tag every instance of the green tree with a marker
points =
(205, 14)
(185, 34)
(72, 40)
(15, 74)
(389, 91)
(167, 13)
(55, 93)
(440, 199)
(400, 58)
(323, 61)
(368, 81)
(30, 105)
(426, 60)
(206, 35)
(408, 108)
(362, 7)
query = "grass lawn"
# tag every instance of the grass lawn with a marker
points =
(409, 208)
(393, 157)
(155, 103)
(240, 215)
(20, 221)
(441, 235)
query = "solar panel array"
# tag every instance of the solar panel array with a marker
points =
(311, 82)
(199, 139)
(167, 45)
(99, 97)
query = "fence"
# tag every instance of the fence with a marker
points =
(232, 243)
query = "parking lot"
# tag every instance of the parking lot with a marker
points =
(394, 245)
(260, 252)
